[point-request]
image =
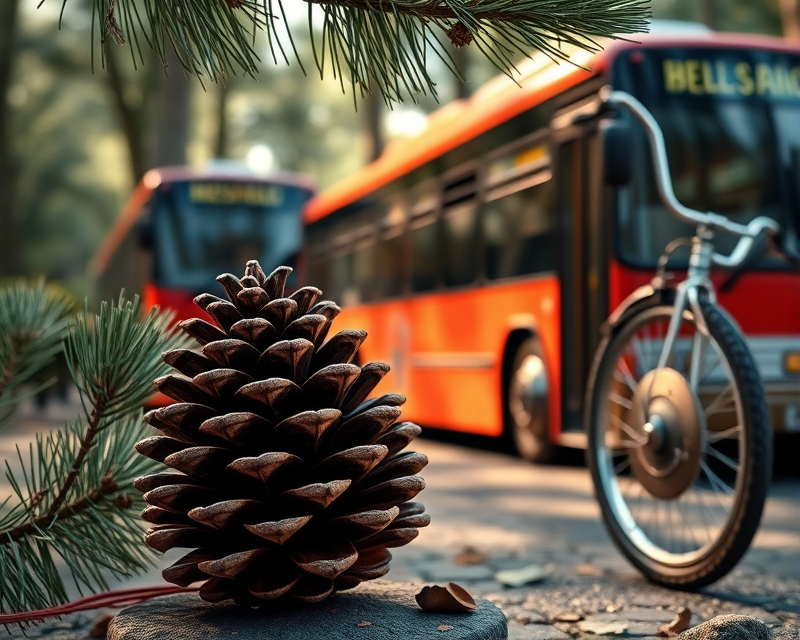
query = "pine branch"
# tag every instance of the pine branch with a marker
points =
(74, 499)
(88, 439)
(386, 40)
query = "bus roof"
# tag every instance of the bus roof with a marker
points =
(539, 78)
(161, 175)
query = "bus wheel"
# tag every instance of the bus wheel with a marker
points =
(527, 419)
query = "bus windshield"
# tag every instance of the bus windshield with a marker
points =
(731, 120)
(203, 229)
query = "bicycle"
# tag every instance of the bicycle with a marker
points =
(679, 438)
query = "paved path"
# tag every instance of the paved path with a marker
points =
(515, 515)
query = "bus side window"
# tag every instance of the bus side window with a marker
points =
(460, 228)
(364, 276)
(424, 252)
(518, 229)
(318, 259)
(460, 248)
(423, 238)
(392, 251)
(341, 275)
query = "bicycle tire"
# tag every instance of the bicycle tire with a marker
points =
(755, 464)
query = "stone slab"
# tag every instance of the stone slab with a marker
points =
(379, 610)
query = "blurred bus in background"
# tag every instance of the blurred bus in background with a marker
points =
(484, 255)
(183, 227)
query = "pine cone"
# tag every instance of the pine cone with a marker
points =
(285, 480)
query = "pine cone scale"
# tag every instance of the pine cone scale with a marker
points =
(222, 514)
(326, 562)
(288, 481)
(230, 566)
(316, 496)
(278, 532)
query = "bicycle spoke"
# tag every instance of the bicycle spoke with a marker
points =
(723, 458)
(716, 481)
(638, 439)
(701, 509)
(620, 400)
(716, 436)
(627, 376)
(686, 522)
(721, 402)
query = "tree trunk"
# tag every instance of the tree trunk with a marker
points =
(790, 19)
(129, 115)
(708, 9)
(173, 115)
(9, 17)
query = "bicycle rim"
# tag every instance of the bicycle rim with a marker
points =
(673, 488)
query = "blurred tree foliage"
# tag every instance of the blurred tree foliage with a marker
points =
(747, 16)
(74, 137)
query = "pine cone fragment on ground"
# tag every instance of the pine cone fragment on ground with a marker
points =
(285, 479)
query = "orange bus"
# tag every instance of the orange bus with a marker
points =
(484, 255)
(182, 227)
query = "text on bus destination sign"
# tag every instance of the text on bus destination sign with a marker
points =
(724, 78)
(265, 195)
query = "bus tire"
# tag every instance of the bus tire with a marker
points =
(527, 418)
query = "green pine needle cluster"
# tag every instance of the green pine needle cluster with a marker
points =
(33, 319)
(73, 513)
(389, 41)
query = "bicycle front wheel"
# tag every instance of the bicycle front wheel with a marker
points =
(680, 456)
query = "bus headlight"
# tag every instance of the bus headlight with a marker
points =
(791, 363)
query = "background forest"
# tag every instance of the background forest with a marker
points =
(74, 137)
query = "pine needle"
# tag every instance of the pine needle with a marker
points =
(383, 40)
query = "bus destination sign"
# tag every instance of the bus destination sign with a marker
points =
(231, 193)
(705, 77)
(723, 73)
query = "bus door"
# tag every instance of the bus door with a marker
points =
(582, 264)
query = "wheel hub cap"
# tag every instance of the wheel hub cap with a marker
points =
(667, 424)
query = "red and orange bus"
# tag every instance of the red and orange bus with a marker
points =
(182, 227)
(484, 255)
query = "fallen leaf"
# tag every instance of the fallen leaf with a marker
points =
(567, 617)
(587, 570)
(450, 598)
(519, 577)
(363, 624)
(469, 556)
(444, 627)
(678, 624)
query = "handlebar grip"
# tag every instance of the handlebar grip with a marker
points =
(757, 248)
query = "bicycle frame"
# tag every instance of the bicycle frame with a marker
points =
(702, 256)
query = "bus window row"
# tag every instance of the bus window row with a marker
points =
(419, 244)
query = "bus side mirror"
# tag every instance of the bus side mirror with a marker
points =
(617, 153)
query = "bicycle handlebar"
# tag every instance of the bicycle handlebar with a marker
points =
(664, 185)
